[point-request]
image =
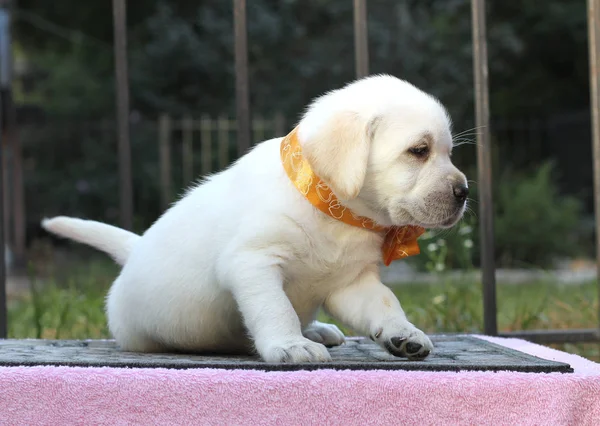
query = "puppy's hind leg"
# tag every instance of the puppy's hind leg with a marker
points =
(124, 325)
(140, 344)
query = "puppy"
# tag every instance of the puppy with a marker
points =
(245, 260)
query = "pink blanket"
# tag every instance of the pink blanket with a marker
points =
(103, 396)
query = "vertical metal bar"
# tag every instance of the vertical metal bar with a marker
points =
(121, 73)
(6, 186)
(258, 128)
(4, 84)
(242, 92)
(14, 195)
(3, 315)
(484, 166)
(206, 144)
(223, 128)
(594, 59)
(187, 125)
(17, 185)
(164, 153)
(279, 124)
(361, 38)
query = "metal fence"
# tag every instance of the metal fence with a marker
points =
(243, 123)
(214, 137)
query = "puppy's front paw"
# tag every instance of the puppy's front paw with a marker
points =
(403, 340)
(294, 351)
(326, 334)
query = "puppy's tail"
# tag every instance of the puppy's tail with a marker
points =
(116, 242)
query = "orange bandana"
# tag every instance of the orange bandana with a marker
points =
(400, 241)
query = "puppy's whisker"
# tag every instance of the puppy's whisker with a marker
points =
(468, 136)
(476, 128)
(454, 145)
(443, 233)
(464, 135)
(470, 211)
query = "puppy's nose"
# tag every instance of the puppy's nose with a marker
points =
(461, 192)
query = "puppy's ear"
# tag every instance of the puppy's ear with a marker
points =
(338, 152)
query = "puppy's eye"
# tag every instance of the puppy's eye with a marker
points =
(420, 151)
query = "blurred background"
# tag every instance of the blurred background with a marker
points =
(60, 146)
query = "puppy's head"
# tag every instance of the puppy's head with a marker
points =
(384, 147)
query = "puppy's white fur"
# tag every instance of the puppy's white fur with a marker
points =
(243, 260)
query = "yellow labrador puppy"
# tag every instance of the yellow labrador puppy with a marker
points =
(247, 257)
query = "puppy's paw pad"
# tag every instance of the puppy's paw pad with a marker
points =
(326, 334)
(398, 341)
(413, 348)
(412, 344)
(296, 351)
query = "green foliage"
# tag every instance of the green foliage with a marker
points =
(72, 84)
(63, 306)
(182, 53)
(553, 54)
(534, 224)
(449, 249)
(182, 65)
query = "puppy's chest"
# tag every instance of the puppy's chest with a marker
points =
(307, 288)
(326, 261)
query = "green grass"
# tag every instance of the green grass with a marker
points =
(457, 307)
(65, 306)
(71, 305)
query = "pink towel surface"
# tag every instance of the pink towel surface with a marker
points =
(120, 396)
